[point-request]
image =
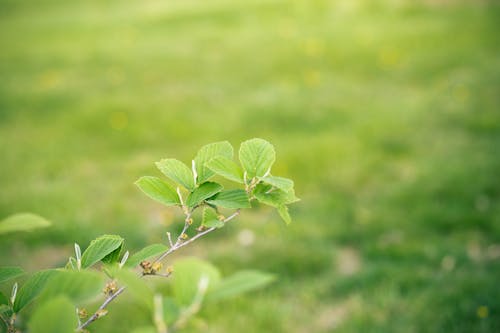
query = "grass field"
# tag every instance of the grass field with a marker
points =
(385, 113)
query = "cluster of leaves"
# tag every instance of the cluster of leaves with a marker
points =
(105, 269)
(256, 157)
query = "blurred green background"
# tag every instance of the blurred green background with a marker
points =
(385, 113)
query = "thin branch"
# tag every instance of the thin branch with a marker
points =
(178, 244)
(103, 306)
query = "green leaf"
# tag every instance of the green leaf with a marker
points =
(99, 248)
(171, 310)
(283, 184)
(239, 283)
(208, 152)
(274, 197)
(78, 286)
(177, 171)
(232, 199)
(54, 316)
(187, 274)
(158, 190)
(136, 286)
(226, 168)
(22, 222)
(8, 273)
(210, 219)
(146, 253)
(3, 299)
(32, 288)
(5, 310)
(256, 156)
(204, 191)
(283, 211)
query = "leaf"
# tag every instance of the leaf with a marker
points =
(32, 288)
(8, 273)
(5, 309)
(274, 197)
(78, 286)
(284, 184)
(171, 310)
(204, 191)
(187, 274)
(146, 253)
(136, 286)
(54, 316)
(177, 171)
(22, 222)
(158, 190)
(99, 248)
(226, 168)
(239, 283)
(283, 211)
(207, 153)
(210, 219)
(256, 156)
(232, 199)
(3, 299)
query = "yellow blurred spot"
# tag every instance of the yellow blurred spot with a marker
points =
(118, 120)
(286, 29)
(388, 58)
(49, 79)
(482, 311)
(313, 47)
(312, 78)
(461, 93)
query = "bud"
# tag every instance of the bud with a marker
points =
(184, 236)
(189, 221)
(201, 228)
(82, 313)
(110, 288)
(147, 267)
(101, 313)
(156, 267)
(170, 269)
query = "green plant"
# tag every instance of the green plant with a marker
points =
(62, 293)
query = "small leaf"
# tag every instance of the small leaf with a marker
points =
(146, 253)
(78, 286)
(5, 310)
(232, 199)
(177, 171)
(204, 191)
(158, 190)
(55, 316)
(8, 273)
(283, 211)
(22, 222)
(239, 283)
(210, 219)
(257, 157)
(32, 288)
(188, 273)
(207, 153)
(99, 248)
(274, 197)
(284, 184)
(72, 264)
(226, 168)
